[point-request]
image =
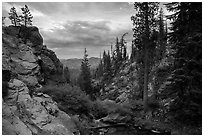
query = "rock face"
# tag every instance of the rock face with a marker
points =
(24, 115)
(30, 60)
(26, 65)
(51, 66)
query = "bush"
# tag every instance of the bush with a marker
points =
(112, 107)
(98, 109)
(70, 99)
(74, 101)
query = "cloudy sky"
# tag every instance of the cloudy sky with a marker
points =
(68, 28)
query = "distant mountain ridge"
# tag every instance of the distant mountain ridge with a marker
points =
(75, 63)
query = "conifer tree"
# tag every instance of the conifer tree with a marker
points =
(99, 69)
(144, 23)
(123, 47)
(66, 74)
(186, 40)
(162, 35)
(119, 54)
(117, 57)
(125, 56)
(133, 52)
(85, 75)
(107, 73)
(14, 17)
(26, 17)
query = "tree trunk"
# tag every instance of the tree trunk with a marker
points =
(25, 23)
(15, 21)
(146, 69)
(145, 94)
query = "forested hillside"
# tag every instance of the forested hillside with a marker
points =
(161, 80)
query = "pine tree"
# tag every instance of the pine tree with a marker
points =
(117, 57)
(119, 54)
(66, 74)
(144, 24)
(14, 17)
(123, 47)
(162, 36)
(186, 40)
(99, 69)
(107, 73)
(26, 18)
(85, 76)
(133, 57)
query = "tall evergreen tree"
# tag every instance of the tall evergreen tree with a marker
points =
(144, 24)
(14, 17)
(123, 47)
(117, 57)
(133, 52)
(119, 54)
(66, 74)
(99, 69)
(85, 75)
(107, 73)
(26, 17)
(162, 35)
(186, 40)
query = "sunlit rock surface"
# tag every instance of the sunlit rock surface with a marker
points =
(25, 67)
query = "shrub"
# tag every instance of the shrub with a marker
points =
(70, 99)
(74, 101)
(98, 109)
(113, 107)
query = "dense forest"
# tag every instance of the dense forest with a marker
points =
(156, 89)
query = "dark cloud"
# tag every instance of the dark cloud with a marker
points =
(82, 33)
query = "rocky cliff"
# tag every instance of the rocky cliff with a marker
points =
(30, 60)
(26, 65)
